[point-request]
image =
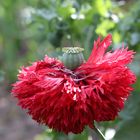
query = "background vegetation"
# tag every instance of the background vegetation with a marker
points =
(31, 29)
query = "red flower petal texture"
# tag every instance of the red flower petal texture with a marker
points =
(68, 100)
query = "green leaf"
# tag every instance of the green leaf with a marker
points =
(1, 76)
(129, 127)
(135, 38)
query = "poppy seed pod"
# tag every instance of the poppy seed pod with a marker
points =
(72, 57)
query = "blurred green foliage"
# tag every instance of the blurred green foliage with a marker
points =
(31, 29)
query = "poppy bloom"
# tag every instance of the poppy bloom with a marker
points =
(68, 100)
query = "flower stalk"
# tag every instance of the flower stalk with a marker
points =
(99, 133)
(96, 134)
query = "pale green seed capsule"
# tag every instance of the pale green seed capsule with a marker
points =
(72, 57)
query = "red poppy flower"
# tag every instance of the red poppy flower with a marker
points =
(68, 100)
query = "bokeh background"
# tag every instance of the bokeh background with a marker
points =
(29, 29)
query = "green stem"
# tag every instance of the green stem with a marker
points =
(96, 134)
(99, 133)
